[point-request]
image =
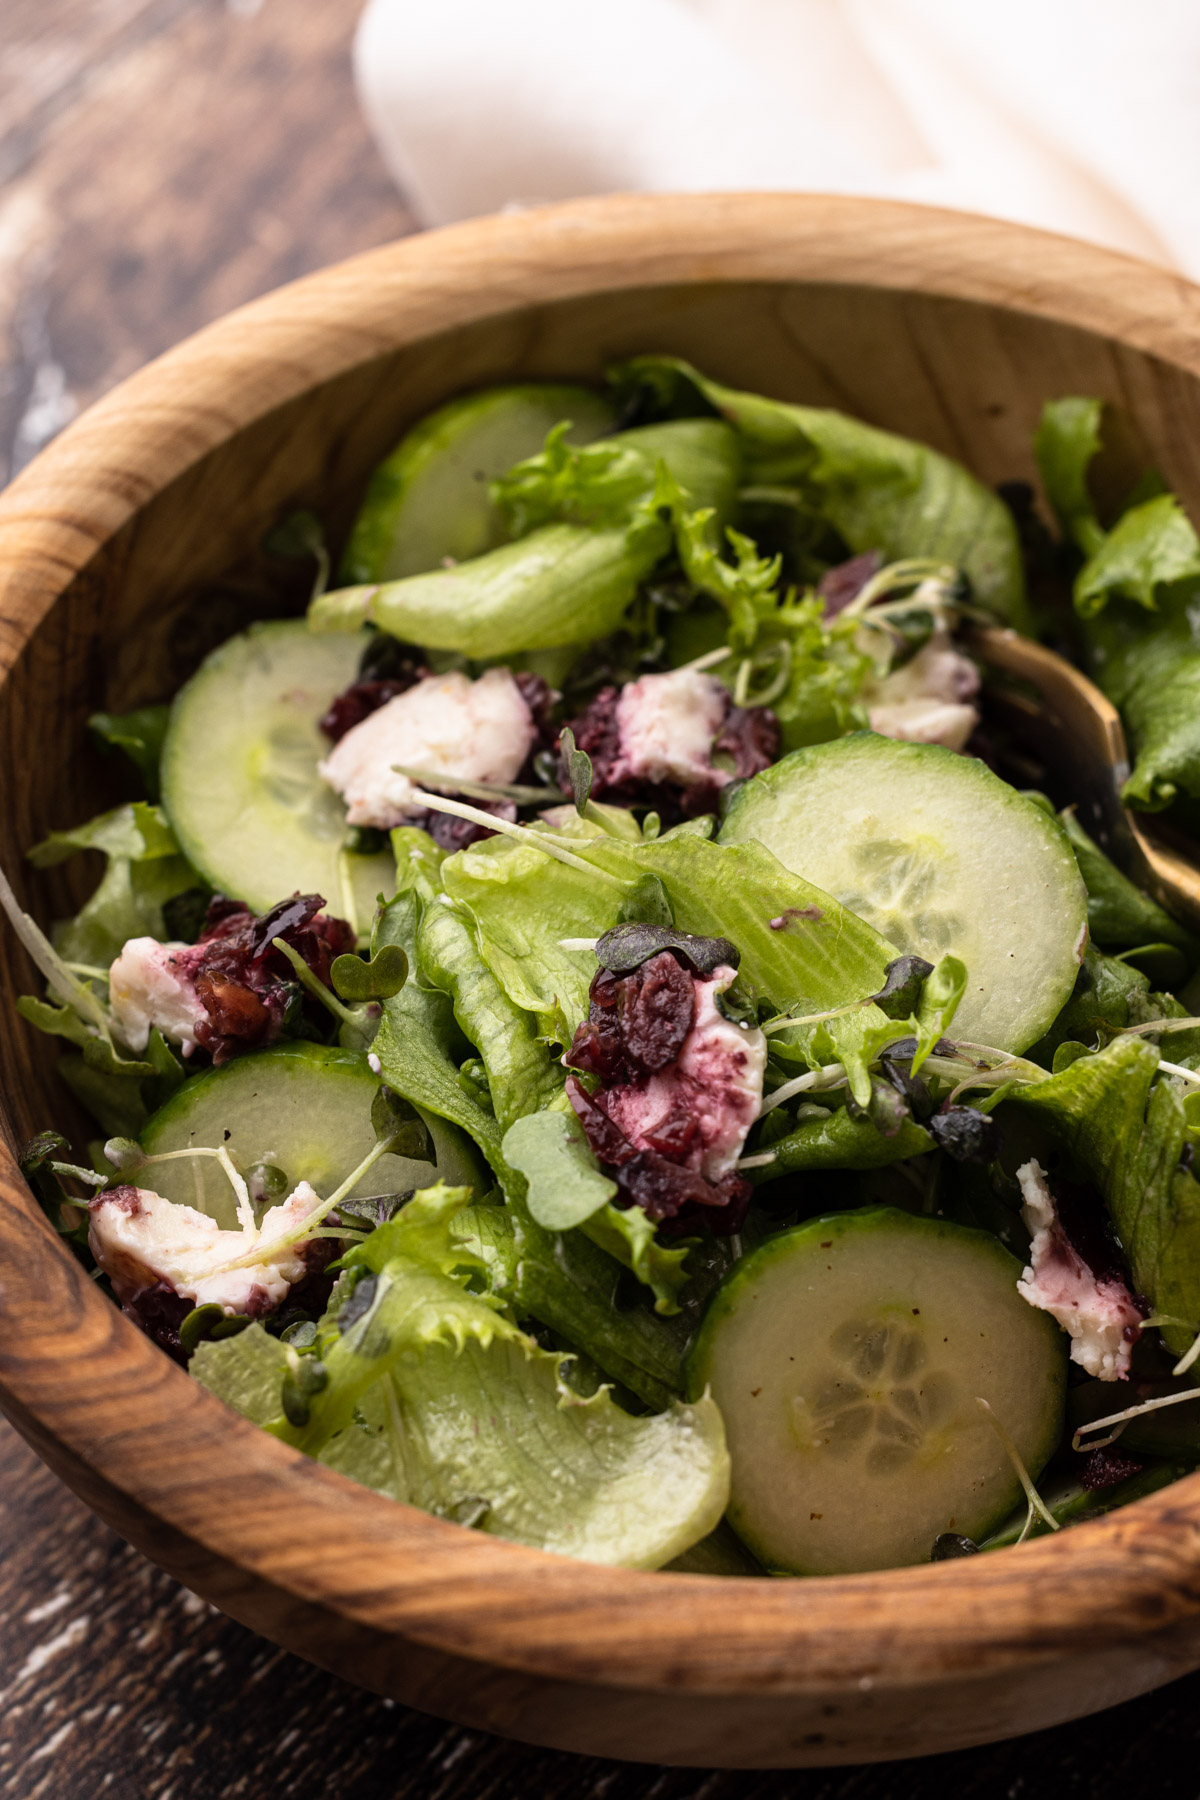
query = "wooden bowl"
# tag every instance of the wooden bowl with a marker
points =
(129, 547)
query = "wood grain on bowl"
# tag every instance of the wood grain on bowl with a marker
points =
(133, 544)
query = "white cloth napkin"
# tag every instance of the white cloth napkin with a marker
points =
(1082, 116)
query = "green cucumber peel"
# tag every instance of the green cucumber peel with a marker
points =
(430, 499)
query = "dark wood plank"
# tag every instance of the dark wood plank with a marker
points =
(116, 1682)
(165, 161)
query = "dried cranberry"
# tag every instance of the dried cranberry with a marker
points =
(656, 1006)
(540, 698)
(159, 1311)
(845, 581)
(608, 1142)
(458, 834)
(596, 1048)
(233, 1011)
(246, 985)
(597, 732)
(673, 1136)
(1106, 1467)
(284, 921)
(751, 738)
(679, 1199)
(362, 698)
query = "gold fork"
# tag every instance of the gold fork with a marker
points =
(1068, 722)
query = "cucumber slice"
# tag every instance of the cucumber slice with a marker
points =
(938, 854)
(846, 1356)
(306, 1110)
(429, 499)
(239, 773)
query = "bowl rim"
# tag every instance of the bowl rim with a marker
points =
(214, 1479)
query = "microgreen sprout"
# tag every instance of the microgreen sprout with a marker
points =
(1121, 1419)
(785, 1021)
(313, 984)
(1188, 1358)
(483, 790)
(306, 1227)
(833, 1075)
(579, 770)
(1170, 1068)
(62, 982)
(1036, 1505)
(709, 660)
(128, 1158)
(911, 572)
(540, 840)
(1157, 1025)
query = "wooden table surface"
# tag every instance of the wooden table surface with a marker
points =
(160, 162)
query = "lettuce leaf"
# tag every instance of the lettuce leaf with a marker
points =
(1150, 546)
(1149, 666)
(565, 582)
(1120, 915)
(1064, 445)
(561, 1279)
(522, 1077)
(1126, 1130)
(841, 1142)
(478, 1423)
(140, 735)
(574, 1476)
(879, 491)
(523, 904)
(567, 1282)
(145, 868)
(1107, 996)
(628, 1235)
(1135, 594)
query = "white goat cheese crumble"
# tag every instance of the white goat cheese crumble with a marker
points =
(927, 700)
(140, 1239)
(1098, 1313)
(481, 730)
(667, 724)
(150, 985)
(717, 1078)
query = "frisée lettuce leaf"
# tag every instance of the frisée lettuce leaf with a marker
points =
(1126, 1130)
(1135, 596)
(879, 491)
(145, 869)
(595, 529)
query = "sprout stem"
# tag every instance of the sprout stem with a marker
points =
(1036, 1503)
(71, 992)
(483, 790)
(1170, 1068)
(1131, 1412)
(831, 1076)
(540, 840)
(306, 1227)
(1188, 1358)
(315, 987)
(709, 660)
(1157, 1026)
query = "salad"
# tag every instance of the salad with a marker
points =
(597, 1032)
